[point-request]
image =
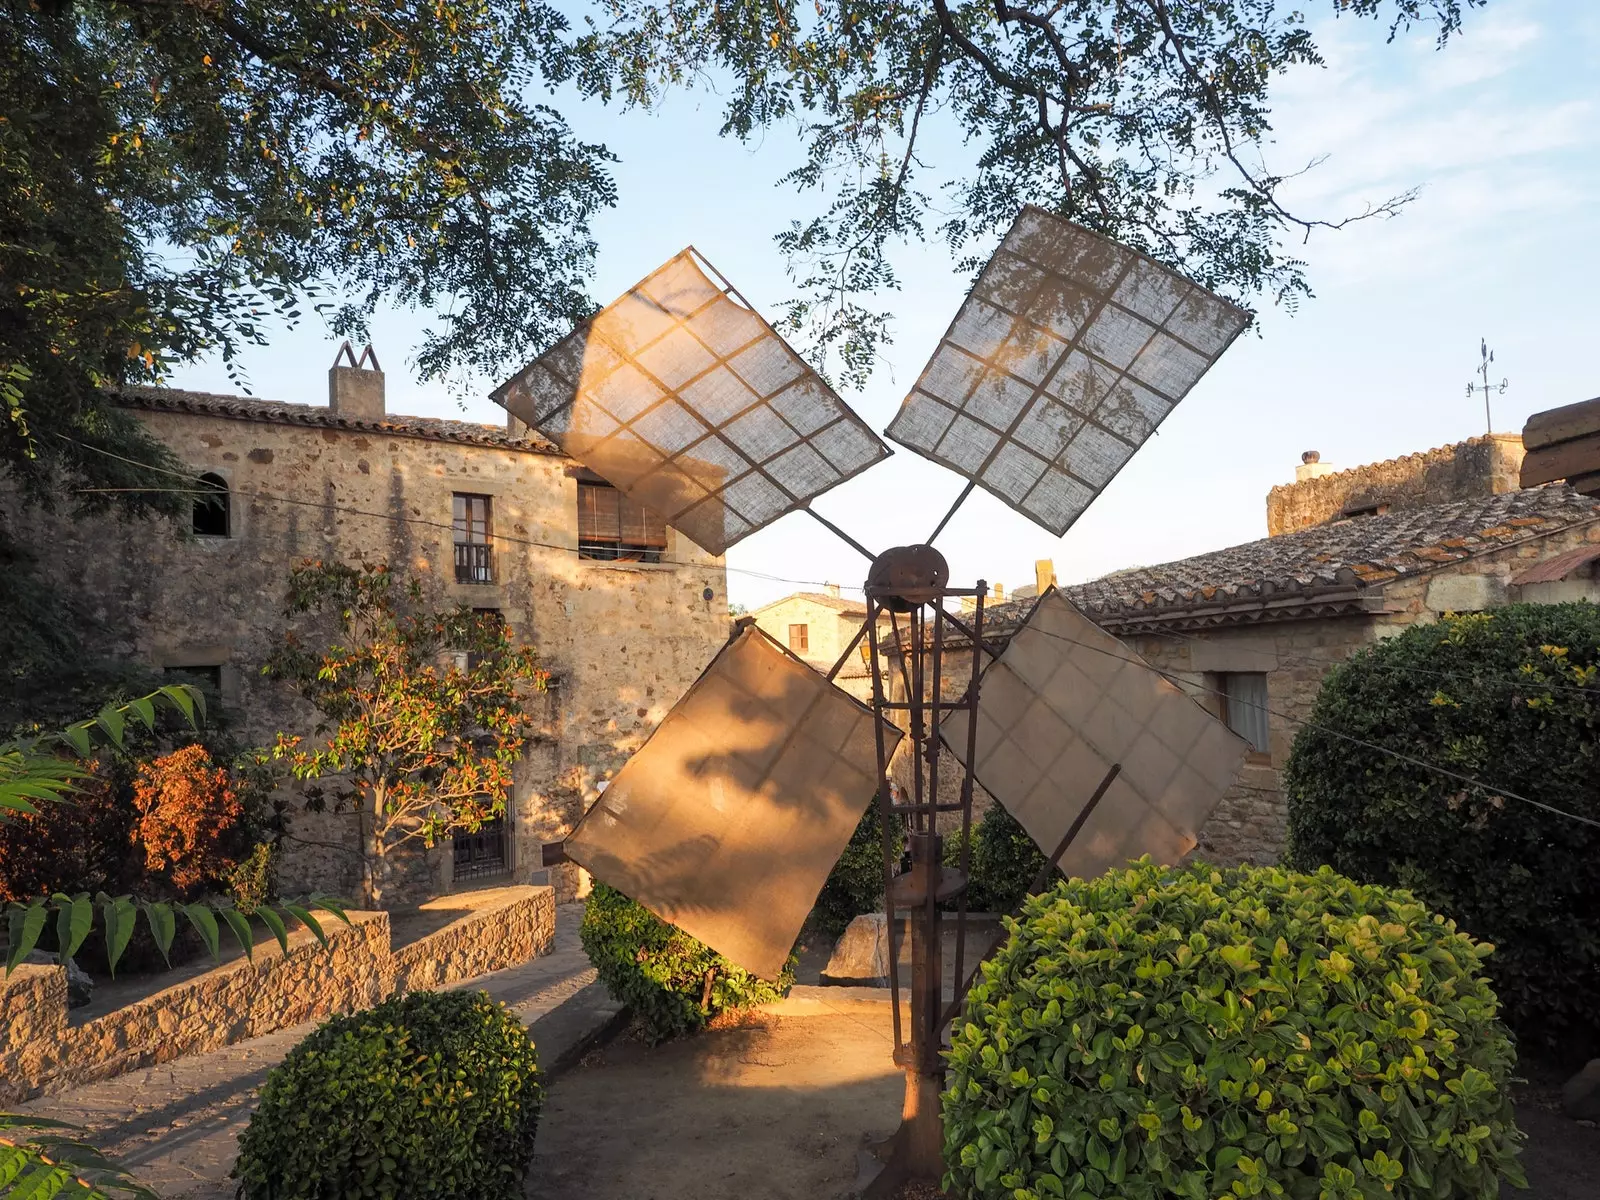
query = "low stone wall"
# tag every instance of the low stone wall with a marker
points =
(42, 1053)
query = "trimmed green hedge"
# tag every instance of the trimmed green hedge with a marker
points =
(673, 983)
(1511, 698)
(431, 1094)
(1192, 1033)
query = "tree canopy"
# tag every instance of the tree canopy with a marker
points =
(1144, 120)
(175, 173)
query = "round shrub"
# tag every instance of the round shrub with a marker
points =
(673, 983)
(855, 885)
(1161, 1032)
(431, 1094)
(1511, 698)
(1005, 863)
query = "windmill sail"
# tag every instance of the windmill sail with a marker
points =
(729, 818)
(1063, 703)
(1066, 356)
(683, 398)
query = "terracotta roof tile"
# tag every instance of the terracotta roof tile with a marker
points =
(1344, 556)
(247, 408)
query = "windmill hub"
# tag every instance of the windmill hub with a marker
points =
(907, 577)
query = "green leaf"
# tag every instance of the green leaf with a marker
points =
(26, 924)
(329, 904)
(74, 920)
(163, 925)
(121, 915)
(205, 922)
(1099, 1157)
(241, 929)
(143, 709)
(305, 918)
(112, 721)
(275, 923)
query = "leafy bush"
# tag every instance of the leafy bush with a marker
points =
(189, 817)
(1195, 1033)
(673, 983)
(1510, 698)
(429, 1094)
(855, 885)
(1004, 862)
(255, 880)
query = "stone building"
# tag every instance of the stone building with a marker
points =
(1358, 555)
(624, 612)
(818, 627)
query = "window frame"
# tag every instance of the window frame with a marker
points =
(595, 493)
(804, 630)
(1225, 703)
(473, 537)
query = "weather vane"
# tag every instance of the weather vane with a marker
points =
(1487, 355)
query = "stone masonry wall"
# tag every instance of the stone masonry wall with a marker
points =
(42, 1053)
(1483, 466)
(624, 640)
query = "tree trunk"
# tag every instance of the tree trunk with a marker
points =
(375, 867)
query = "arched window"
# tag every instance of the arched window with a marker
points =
(211, 515)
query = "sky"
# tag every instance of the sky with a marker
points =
(1500, 130)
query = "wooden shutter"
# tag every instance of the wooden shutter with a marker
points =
(598, 513)
(640, 526)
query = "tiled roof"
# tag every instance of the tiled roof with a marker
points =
(853, 608)
(246, 408)
(1345, 560)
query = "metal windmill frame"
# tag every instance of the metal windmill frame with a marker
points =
(1063, 358)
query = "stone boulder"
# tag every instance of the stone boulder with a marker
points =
(1580, 1095)
(80, 986)
(861, 956)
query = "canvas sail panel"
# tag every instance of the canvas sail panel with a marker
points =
(688, 402)
(1063, 703)
(1066, 356)
(728, 819)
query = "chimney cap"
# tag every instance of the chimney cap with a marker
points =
(1311, 456)
(347, 357)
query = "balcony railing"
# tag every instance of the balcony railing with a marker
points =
(474, 563)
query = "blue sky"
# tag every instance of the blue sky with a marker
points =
(1500, 130)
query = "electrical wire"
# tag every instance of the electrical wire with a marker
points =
(387, 516)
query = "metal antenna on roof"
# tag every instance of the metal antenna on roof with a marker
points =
(1486, 356)
(1063, 359)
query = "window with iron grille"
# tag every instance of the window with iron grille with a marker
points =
(799, 638)
(613, 528)
(484, 854)
(474, 533)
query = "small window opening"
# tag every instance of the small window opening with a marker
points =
(207, 678)
(1244, 707)
(613, 528)
(211, 507)
(1365, 510)
(473, 520)
(799, 638)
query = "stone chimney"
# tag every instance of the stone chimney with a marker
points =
(1044, 575)
(832, 589)
(998, 593)
(1311, 467)
(356, 390)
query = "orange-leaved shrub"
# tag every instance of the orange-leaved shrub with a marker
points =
(189, 817)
